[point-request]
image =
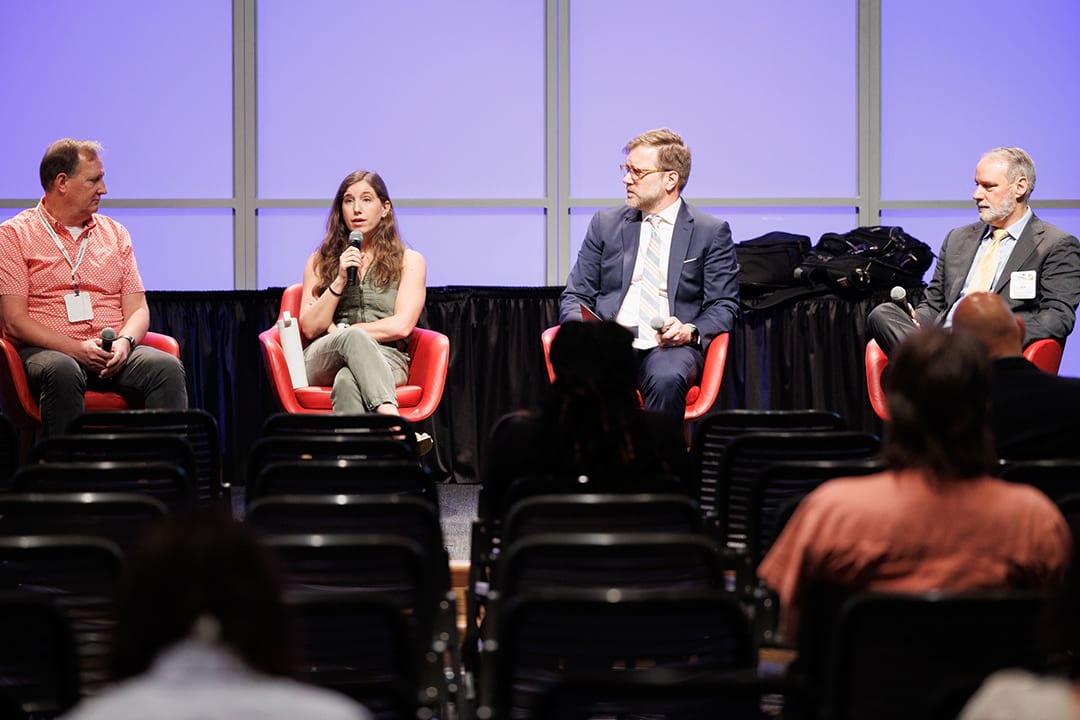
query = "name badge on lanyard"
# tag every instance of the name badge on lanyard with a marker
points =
(78, 304)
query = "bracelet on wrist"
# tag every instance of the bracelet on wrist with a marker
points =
(332, 291)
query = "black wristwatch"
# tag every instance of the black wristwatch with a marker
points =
(695, 336)
(131, 341)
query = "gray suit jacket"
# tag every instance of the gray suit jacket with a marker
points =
(1053, 254)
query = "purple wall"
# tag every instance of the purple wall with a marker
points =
(447, 101)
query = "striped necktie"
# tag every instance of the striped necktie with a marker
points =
(651, 305)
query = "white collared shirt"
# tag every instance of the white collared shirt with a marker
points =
(631, 306)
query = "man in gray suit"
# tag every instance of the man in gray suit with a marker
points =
(659, 267)
(1032, 264)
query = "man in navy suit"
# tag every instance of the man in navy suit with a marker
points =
(1033, 265)
(658, 263)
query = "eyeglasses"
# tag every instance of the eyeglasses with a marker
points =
(637, 173)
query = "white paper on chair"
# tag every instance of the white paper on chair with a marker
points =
(289, 331)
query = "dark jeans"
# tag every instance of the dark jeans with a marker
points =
(59, 382)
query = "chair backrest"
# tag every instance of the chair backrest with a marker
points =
(412, 518)
(780, 483)
(343, 477)
(639, 561)
(601, 512)
(903, 655)
(164, 481)
(495, 502)
(369, 424)
(666, 693)
(1055, 477)
(543, 637)
(119, 517)
(309, 448)
(1069, 505)
(748, 453)
(197, 427)
(388, 564)
(9, 451)
(39, 670)
(79, 574)
(391, 566)
(358, 644)
(1045, 354)
(875, 361)
(120, 447)
(715, 432)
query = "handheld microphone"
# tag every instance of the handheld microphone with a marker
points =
(107, 337)
(899, 296)
(657, 323)
(355, 238)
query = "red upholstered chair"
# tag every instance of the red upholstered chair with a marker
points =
(429, 354)
(19, 404)
(1044, 354)
(700, 398)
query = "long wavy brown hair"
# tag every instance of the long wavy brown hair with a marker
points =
(385, 242)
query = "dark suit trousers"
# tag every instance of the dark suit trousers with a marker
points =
(60, 383)
(666, 374)
(889, 325)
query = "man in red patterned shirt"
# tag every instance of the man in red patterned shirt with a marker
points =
(67, 273)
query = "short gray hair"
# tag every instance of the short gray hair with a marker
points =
(1020, 163)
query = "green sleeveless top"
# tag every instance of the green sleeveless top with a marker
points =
(363, 302)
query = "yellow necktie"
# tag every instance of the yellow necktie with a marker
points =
(983, 278)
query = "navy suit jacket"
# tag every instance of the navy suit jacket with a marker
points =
(1053, 254)
(702, 277)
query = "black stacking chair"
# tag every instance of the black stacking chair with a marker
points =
(410, 517)
(748, 453)
(370, 424)
(561, 509)
(343, 477)
(119, 517)
(666, 694)
(197, 427)
(163, 481)
(79, 574)
(359, 644)
(642, 561)
(780, 482)
(495, 503)
(715, 431)
(601, 512)
(1056, 477)
(39, 669)
(909, 655)
(130, 447)
(9, 451)
(774, 496)
(1069, 505)
(391, 566)
(545, 637)
(354, 448)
